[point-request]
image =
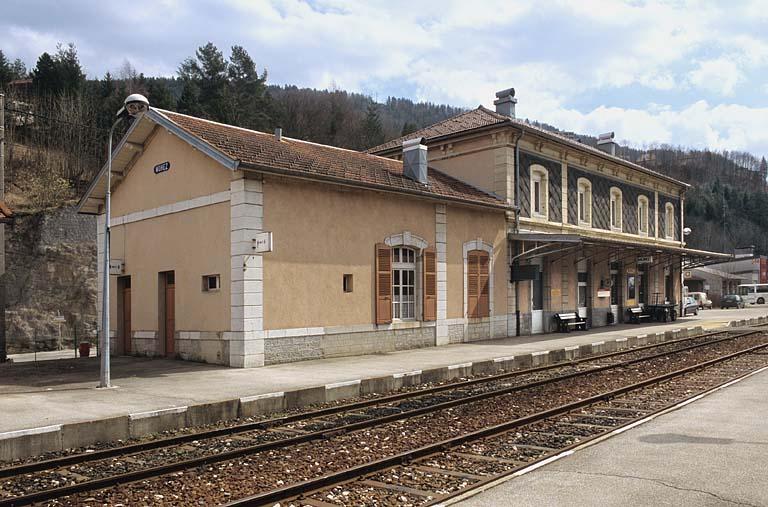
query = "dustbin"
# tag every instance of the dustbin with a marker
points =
(85, 349)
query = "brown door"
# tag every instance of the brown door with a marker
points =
(127, 320)
(170, 314)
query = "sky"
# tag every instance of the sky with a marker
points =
(688, 73)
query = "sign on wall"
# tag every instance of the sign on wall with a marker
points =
(262, 242)
(644, 259)
(116, 266)
(603, 293)
(161, 168)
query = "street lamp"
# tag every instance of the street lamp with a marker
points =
(133, 106)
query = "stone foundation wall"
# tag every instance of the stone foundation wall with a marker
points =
(600, 317)
(202, 346)
(287, 349)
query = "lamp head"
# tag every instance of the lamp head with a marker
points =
(686, 231)
(134, 105)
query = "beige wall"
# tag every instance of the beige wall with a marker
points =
(192, 174)
(475, 168)
(192, 243)
(464, 225)
(322, 232)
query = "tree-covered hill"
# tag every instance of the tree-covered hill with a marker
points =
(57, 123)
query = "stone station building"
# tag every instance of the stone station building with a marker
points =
(244, 248)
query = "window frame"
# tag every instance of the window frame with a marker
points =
(206, 284)
(669, 221)
(643, 202)
(540, 175)
(616, 203)
(403, 268)
(584, 188)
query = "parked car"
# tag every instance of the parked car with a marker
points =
(732, 301)
(701, 299)
(690, 305)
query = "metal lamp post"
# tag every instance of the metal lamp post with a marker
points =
(133, 106)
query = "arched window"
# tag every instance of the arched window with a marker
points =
(403, 283)
(642, 215)
(539, 192)
(584, 202)
(616, 209)
(669, 221)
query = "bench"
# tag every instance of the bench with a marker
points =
(637, 314)
(566, 321)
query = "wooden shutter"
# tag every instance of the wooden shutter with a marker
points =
(429, 294)
(472, 277)
(478, 284)
(383, 284)
(483, 282)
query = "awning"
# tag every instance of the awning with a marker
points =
(555, 243)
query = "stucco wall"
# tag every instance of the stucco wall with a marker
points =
(464, 225)
(192, 243)
(320, 233)
(475, 167)
(191, 175)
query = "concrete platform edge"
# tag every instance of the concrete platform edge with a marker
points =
(29, 442)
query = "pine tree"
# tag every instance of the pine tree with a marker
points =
(6, 73)
(208, 72)
(408, 128)
(248, 101)
(159, 95)
(189, 101)
(45, 76)
(70, 72)
(372, 131)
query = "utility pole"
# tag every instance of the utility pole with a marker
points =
(3, 349)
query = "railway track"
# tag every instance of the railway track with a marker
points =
(299, 432)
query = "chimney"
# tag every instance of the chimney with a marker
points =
(505, 102)
(606, 143)
(278, 134)
(415, 160)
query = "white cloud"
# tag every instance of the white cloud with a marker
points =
(721, 75)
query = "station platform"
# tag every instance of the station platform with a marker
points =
(53, 404)
(708, 453)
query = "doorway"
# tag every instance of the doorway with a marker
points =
(582, 289)
(537, 302)
(124, 315)
(167, 303)
(615, 291)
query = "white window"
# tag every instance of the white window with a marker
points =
(403, 283)
(539, 192)
(616, 209)
(669, 221)
(211, 283)
(584, 202)
(642, 215)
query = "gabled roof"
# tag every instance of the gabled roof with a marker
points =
(483, 117)
(240, 148)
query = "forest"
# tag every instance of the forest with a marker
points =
(58, 119)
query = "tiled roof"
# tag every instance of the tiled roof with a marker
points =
(261, 151)
(476, 118)
(483, 117)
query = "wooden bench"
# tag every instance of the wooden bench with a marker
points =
(637, 314)
(566, 321)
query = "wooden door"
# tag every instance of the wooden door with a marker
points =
(126, 338)
(170, 316)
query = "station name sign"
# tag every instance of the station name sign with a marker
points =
(161, 168)
(645, 259)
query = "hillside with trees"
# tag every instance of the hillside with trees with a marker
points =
(57, 122)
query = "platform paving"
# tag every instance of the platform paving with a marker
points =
(62, 392)
(709, 453)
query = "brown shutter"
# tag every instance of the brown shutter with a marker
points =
(383, 284)
(430, 285)
(483, 298)
(472, 276)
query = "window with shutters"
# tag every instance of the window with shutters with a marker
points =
(478, 284)
(539, 192)
(616, 205)
(403, 283)
(642, 215)
(669, 221)
(584, 202)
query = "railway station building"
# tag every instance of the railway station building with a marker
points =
(243, 248)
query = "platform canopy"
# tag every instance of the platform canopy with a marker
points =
(553, 243)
